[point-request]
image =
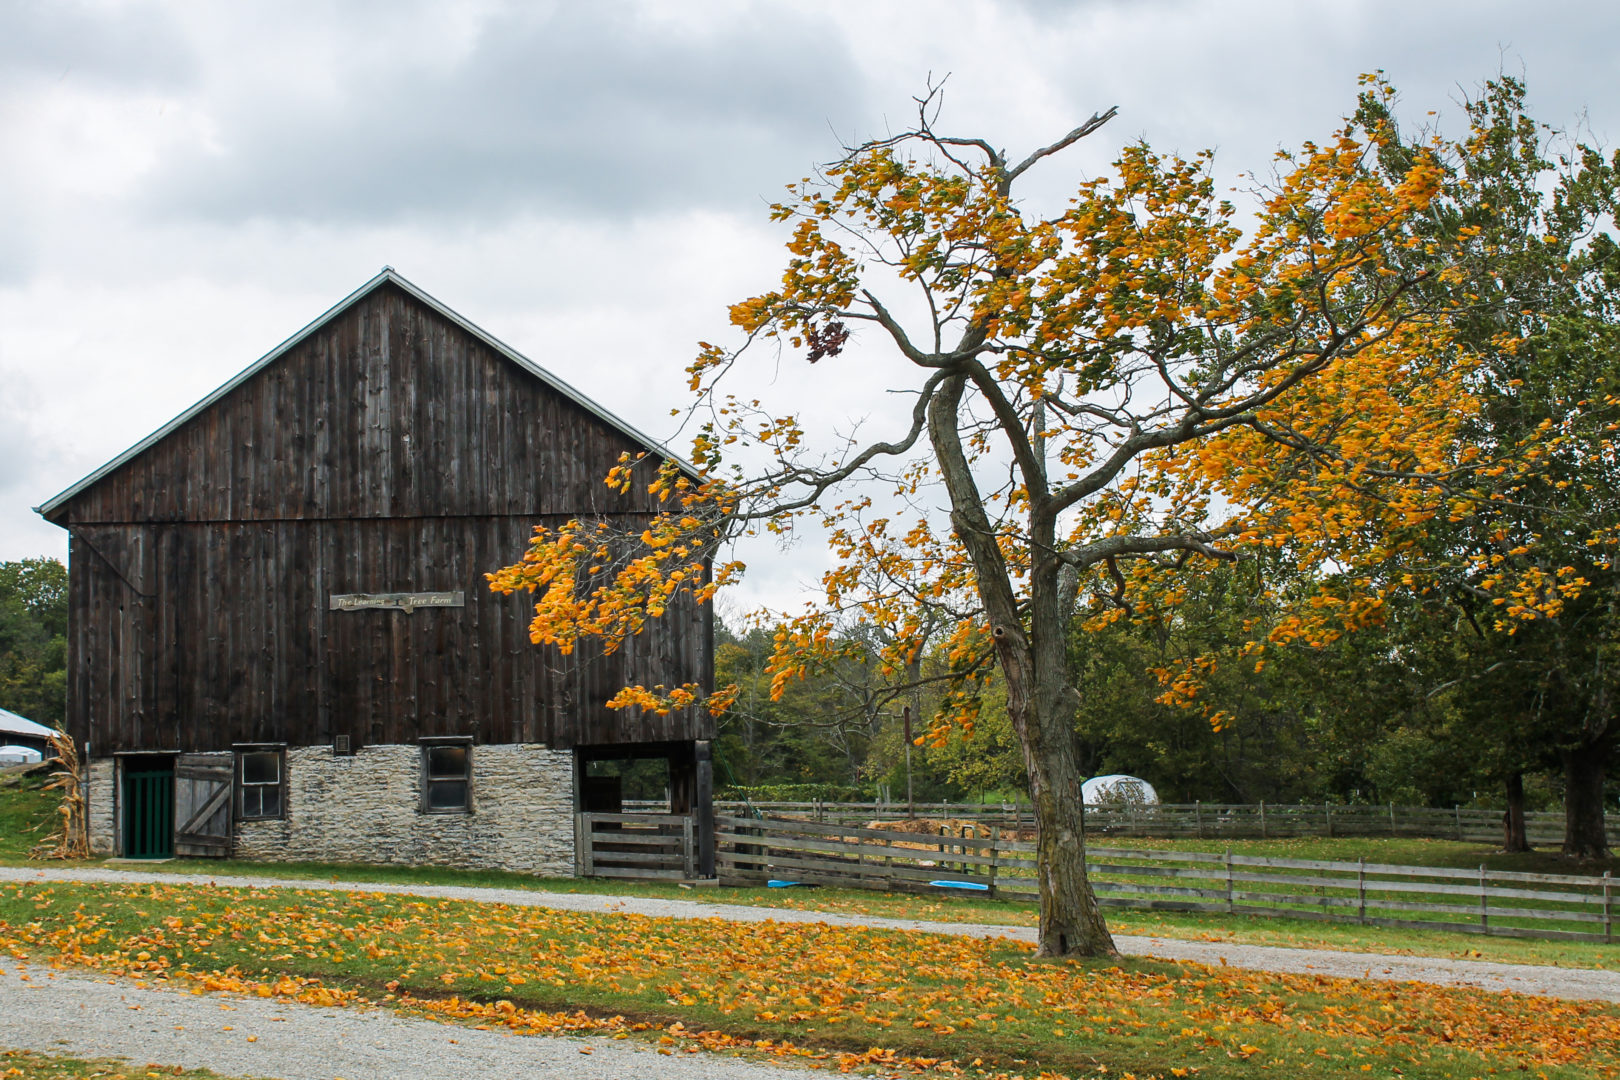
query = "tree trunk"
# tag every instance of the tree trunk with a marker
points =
(1513, 834)
(1039, 698)
(1585, 835)
(1071, 920)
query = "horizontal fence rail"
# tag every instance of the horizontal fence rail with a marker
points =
(1208, 821)
(973, 859)
(657, 847)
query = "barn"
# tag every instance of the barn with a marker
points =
(281, 642)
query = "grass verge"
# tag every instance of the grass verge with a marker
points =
(1238, 929)
(851, 996)
(26, 816)
(28, 1065)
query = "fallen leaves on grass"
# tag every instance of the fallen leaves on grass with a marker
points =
(827, 988)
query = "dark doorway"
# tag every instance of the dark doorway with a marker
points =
(674, 778)
(148, 806)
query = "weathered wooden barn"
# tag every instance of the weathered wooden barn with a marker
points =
(282, 644)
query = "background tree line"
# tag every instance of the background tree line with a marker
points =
(1387, 714)
(33, 639)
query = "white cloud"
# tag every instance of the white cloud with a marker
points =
(186, 185)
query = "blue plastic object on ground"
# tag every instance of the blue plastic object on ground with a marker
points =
(960, 885)
(775, 884)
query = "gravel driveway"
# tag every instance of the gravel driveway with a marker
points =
(1543, 981)
(62, 1013)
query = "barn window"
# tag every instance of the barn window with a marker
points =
(446, 776)
(260, 784)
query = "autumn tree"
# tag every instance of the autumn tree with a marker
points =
(1090, 389)
(1527, 569)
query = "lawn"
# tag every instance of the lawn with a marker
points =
(27, 815)
(847, 996)
(25, 812)
(27, 1065)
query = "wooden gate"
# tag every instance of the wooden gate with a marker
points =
(148, 814)
(202, 804)
(656, 846)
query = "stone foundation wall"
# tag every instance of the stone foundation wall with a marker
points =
(101, 807)
(365, 808)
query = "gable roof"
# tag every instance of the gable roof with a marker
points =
(12, 724)
(390, 276)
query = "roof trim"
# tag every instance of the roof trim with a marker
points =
(13, 724)
(388, 275)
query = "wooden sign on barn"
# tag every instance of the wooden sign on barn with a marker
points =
(282, 644)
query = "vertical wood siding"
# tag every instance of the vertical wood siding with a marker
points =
(391, 451)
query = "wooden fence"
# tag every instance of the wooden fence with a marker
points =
(753, 850)
(641, 846)
(1208, 821)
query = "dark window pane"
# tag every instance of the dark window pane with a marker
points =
(447, 795)
(252, 807)
(261, 767)
(270, 800)
(447, 762)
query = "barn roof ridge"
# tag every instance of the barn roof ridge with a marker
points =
(388, 275)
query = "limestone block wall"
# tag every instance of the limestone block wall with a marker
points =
(365, 808)
(101, 807)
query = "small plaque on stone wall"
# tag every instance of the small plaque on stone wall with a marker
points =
(397, 601)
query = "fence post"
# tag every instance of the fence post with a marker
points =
(582, 851)
(1198, 809)
(688, 849)
(1484, 917)
(1228, 861)
(1608, 918)
(1262, 819)
(1457, 809)
(1361, 889)
(995, 856)
(1392, 819)
(1327, 812)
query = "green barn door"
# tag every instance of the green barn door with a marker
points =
(149, 814)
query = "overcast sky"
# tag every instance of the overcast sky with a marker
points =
(184, 185)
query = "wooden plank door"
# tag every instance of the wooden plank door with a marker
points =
(202, 804)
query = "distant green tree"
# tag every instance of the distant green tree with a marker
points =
(1527, 565)
(33, 639)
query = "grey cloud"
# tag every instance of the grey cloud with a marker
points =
(574, 111)
(80, 42)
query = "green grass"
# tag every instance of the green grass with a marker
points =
(27, 815)
(1401, 851)
(28, 1065)
(829, 990)
(25, 818)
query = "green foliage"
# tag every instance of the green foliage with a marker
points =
(797, 793)
(33, 639)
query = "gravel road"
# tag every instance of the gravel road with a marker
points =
(1542, 981)
(63, 1013)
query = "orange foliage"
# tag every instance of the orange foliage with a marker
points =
(1143, 384)
(854, 985)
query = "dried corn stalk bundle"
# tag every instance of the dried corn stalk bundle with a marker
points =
(71, 839)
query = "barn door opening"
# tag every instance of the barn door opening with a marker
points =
(148, 807)
(202, 805)
(645, 810)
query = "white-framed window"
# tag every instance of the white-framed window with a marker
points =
(446, 776)
(261, 782)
